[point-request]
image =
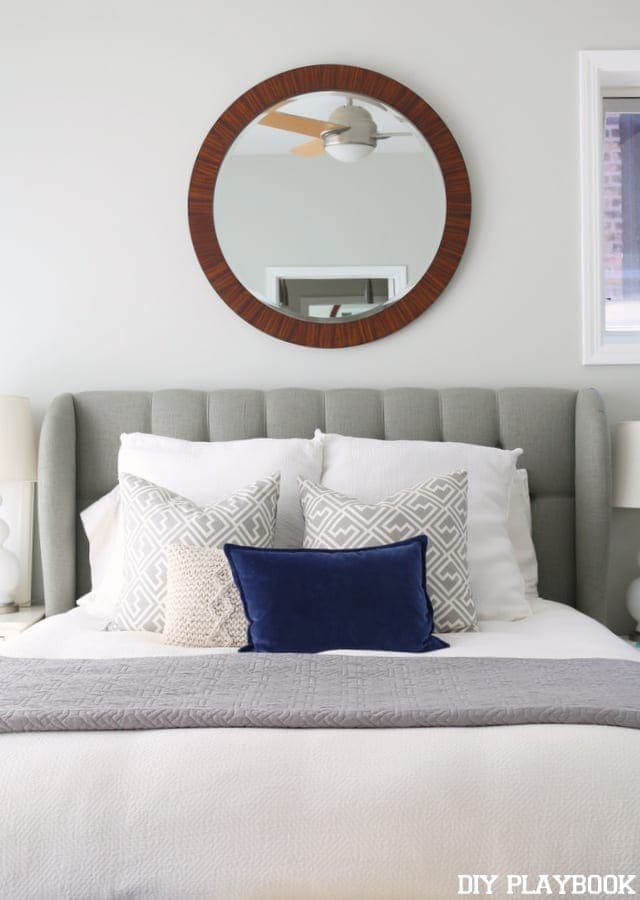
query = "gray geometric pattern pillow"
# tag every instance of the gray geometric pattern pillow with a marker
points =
(436, 507)
(203, 607)
(154, 518)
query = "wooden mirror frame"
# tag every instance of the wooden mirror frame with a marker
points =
(348, 80)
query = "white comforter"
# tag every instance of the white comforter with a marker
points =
(260, 813)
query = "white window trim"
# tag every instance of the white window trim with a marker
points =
(395, 275)
(600, 70)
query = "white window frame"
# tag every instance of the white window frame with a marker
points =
(395, 275)
(600, 71)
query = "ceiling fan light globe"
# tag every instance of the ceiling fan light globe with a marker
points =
(349, 152)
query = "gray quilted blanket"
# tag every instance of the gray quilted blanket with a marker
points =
(300, 691)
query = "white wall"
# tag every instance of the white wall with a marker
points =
(104, 106)
(278, 210)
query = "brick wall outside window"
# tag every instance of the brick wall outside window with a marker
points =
(612, 207)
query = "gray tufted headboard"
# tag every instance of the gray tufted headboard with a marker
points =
(564, 435)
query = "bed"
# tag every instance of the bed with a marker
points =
(349, 813)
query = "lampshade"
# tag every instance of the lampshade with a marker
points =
(348, 152)
(626, 465)
(18, 456)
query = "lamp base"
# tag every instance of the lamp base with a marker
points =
(633, 605)
(9, 572)
(7, 605)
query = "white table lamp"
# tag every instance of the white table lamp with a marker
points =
(626, 493)
(18, 463)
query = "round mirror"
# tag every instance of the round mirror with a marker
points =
(329, 206)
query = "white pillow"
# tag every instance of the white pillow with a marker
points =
(372, 469)
(106, 554)
(204, 473)
(98, 521)
(519, 527)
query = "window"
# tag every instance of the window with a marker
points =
(621, 216)
(610, 157)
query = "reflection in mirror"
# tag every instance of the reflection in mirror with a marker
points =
(329, 206)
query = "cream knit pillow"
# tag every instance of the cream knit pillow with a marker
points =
(203, 607)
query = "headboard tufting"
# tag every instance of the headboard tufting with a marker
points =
(564, 434)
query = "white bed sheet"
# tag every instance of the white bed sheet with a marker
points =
(554, 630)
(264, 813)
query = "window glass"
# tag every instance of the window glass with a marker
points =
(621, 218)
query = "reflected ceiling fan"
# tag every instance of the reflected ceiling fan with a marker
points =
(350, 135)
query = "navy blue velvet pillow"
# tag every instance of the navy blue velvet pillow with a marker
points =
(306, 601)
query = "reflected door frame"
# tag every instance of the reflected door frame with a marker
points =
(396, 276)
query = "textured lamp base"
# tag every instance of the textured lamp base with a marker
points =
(9, 572)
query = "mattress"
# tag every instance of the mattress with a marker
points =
(265, 813)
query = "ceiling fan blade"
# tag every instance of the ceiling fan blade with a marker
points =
(300, 124)
(309, 148)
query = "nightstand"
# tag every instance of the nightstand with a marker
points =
(13, 624)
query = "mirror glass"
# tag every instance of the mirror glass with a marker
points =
(329, 206)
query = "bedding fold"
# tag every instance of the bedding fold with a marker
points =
(314, 691)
